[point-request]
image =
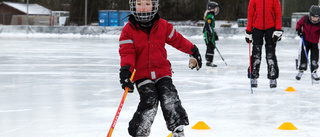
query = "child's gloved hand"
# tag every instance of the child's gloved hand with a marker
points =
(195, 59)
(248, 37)
(125, 76)
(277, 35)
(300, 33)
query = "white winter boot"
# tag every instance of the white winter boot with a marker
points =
(315, 76)
(178, 131)
(210, 64)
(254, 83)
(273, 83)
(299, 75)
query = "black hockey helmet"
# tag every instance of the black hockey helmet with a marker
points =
(212, 5)
(314, 12)
(143, 16)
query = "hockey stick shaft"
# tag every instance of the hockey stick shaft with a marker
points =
(120, 107)
(220, 55)
(250, 67)
(305, 52)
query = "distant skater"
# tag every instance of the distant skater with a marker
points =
(264, 23)
(210, 36)
(308, 27)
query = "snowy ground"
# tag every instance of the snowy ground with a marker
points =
(68, 86)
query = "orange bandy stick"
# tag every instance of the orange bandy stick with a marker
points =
(120, 107)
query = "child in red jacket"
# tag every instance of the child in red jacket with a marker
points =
(264, 24)
(142, 47)
(308, 27)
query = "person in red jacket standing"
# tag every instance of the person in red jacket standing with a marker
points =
(264, 23)
(308, 27)
(142, 47)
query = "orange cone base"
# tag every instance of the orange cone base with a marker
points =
(201, 126)
(287, 126)
(290, 89)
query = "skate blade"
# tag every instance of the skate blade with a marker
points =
(211, 68)
(315, 81)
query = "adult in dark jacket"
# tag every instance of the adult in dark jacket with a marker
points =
(142, 47)
(264, 22)
(308, 27)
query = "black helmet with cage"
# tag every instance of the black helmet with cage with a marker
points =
(314, 12)
(211, 6)
(144, 15)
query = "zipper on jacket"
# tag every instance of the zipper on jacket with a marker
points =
(310, 31)
(264, 5)
(149, 65)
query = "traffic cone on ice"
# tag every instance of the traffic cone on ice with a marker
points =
(290, 89)
(201, 126)
(287, 126)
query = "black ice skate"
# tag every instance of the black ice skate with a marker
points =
(315, 76)
(254, 83)
(299, 75)
(178, 131)
(273, 83)
(210, 64)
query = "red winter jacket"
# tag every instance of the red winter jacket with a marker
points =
(264, 14)
(311, 31)
(146, 52)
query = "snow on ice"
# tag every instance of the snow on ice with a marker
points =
(65, 85)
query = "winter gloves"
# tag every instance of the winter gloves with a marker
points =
(248, 36)
(195, 59)
(125, 76)
(300, 33)
(277, 35)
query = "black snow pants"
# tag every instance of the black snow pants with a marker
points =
(270, 46)
(302, 59)
(151, 93)
(210, 51)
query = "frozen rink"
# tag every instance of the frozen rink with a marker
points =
(68, 86)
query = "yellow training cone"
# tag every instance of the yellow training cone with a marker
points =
(290, 89)
(287, 126)
(170, 135)
(201, 126)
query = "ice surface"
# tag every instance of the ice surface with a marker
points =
(68, 86)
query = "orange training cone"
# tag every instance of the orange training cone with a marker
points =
(201, 126)
(290, 89)
(287, 126)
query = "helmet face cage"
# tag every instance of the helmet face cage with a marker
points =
(314, 12)
(213, 6)
(144, 10)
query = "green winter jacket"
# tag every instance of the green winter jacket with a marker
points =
(208, 30)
